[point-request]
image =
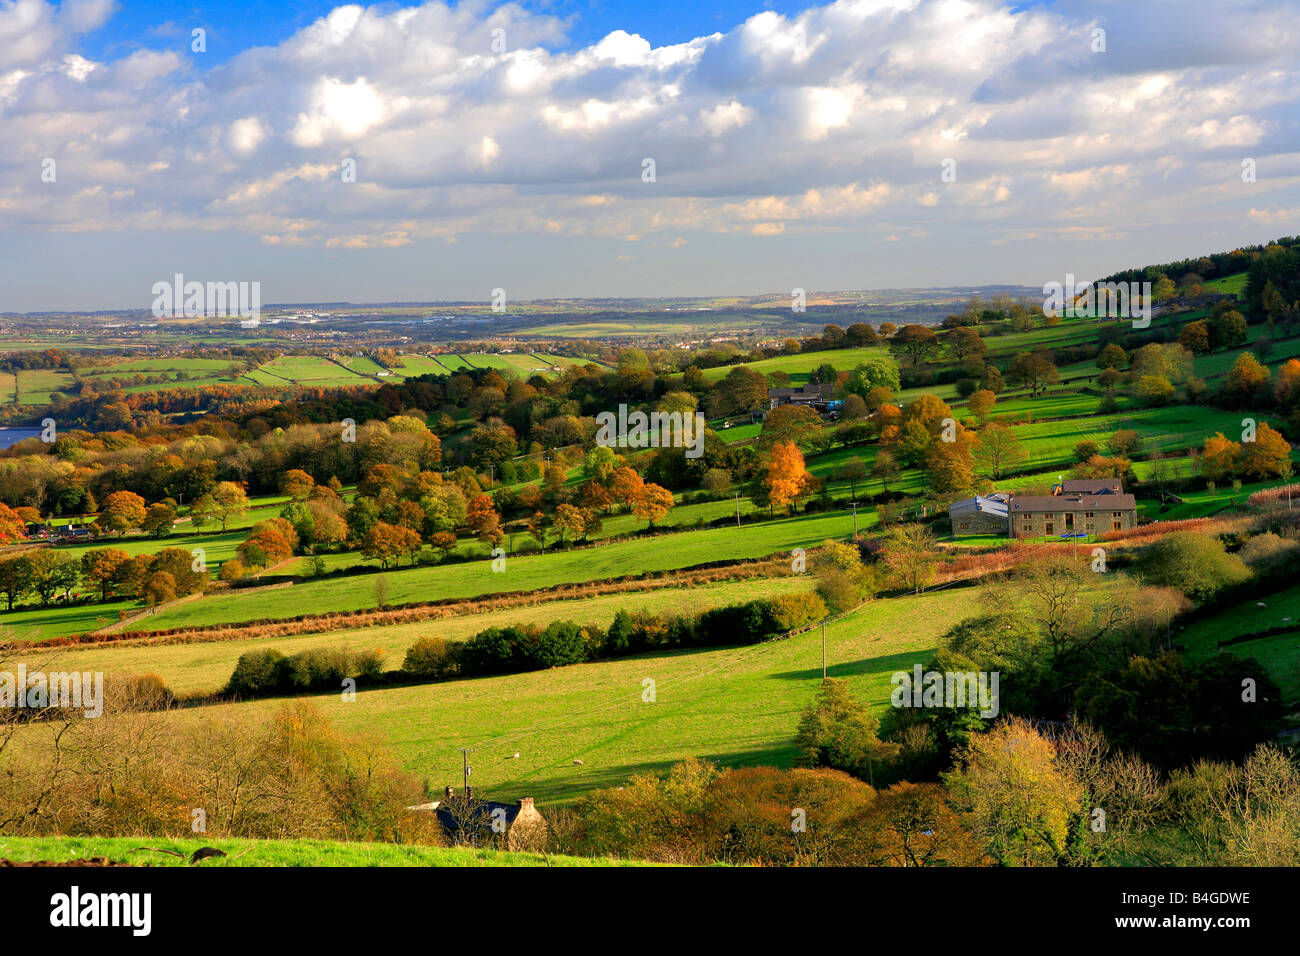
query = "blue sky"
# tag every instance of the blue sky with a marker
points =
(399, 152)
(234, 26)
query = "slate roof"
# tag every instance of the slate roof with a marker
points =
(1035, 504)
(981, 504)
(1092, 486)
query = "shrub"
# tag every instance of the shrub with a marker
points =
(258, 672)
(1195, 564)
(790, 611)
(318, 668)
(563, 642)
(494, 651)
(430, 657)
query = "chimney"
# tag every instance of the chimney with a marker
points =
(449, 793)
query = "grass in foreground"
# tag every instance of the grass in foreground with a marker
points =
(279, 853)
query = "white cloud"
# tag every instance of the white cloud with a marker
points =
(836, 117)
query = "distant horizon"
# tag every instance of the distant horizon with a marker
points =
(434, 152)
(486, 303)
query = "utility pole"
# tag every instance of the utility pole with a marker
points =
(737, 509)
(464, 753)
(855, 517)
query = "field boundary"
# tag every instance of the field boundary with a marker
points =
(451, 607)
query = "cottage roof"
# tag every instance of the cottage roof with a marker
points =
(1036, 504)
(979, 504)
(808, 389)
(1092, 486)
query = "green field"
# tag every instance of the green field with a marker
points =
(471, 579)
(1232, 285)
(739, 705)
(203, 667)
(279, 853)
(800, 366)
(1279, 655)
(36, 385)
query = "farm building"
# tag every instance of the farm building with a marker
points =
(980, 515)
(816, 395)
(1075, 507)
(478, 822)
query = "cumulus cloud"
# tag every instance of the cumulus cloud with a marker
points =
(475, 119)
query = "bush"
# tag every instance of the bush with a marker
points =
(790, 611)
(1195, 564)
(494, 651)
(258, 672)
(430, 657)
(318, 668)
(563, 642)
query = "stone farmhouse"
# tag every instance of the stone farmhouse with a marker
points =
(815, 395)
(1074, 508)
(519, 826)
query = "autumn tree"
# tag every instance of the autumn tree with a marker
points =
(1195, 337)
(159, 519)
(12, 526)
(1112, 356)
(483, 520)
(626, 486)
(790, 423)
(1032, 371)
(15, 579)
(159, 588)
(916, 343)
(229, 501)
(1268, 456)
(1219, 459)
(951, 464)
(788, 480)
(654, 503)
(121, 511)
(296, 484)
(853, 471)
(909, 556)
(1246, 377)
(981, 403)
(1015, 797)
(884, 468)
(568, 520)
(100, 568)
(387, 543)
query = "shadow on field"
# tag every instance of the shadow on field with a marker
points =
(562, 790)
(867, 665)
